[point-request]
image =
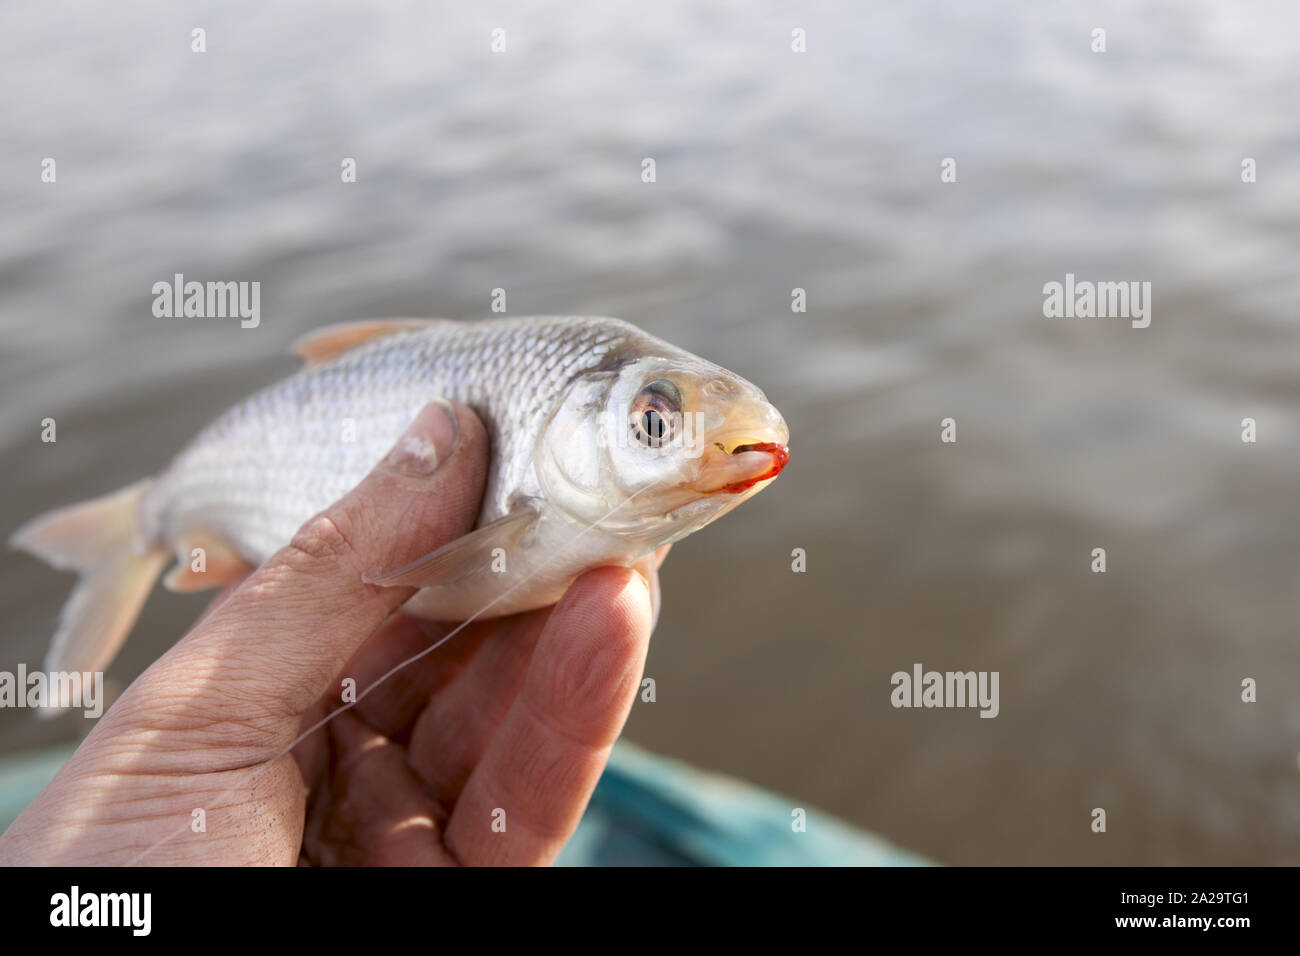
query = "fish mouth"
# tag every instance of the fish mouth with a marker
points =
(741, 463)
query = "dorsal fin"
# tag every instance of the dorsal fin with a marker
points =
(328, 343)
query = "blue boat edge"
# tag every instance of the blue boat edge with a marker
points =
(647, 810)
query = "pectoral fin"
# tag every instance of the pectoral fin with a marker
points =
(648, 568)
(471, 554)
(326, 344)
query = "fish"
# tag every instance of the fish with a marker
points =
(606, 443)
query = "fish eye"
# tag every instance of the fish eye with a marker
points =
(655, 412)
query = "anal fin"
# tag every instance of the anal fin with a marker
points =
(218, 564)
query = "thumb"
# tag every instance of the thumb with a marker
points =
(290, 628)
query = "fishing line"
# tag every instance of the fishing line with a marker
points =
(459, 627)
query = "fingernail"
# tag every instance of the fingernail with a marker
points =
(429, 441)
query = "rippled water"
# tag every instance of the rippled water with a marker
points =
(774, 170)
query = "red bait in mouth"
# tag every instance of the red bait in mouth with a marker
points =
(780, 457)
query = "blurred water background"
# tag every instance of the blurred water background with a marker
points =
(775, 170)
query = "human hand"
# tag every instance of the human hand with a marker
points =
(482, 752)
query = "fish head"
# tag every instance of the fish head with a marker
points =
(658, 446)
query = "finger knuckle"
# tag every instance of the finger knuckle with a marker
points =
(321, 539)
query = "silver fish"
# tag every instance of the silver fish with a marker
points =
(606, 444)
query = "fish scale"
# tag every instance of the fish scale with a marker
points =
(267, 465)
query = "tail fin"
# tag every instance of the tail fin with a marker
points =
(97, 539)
